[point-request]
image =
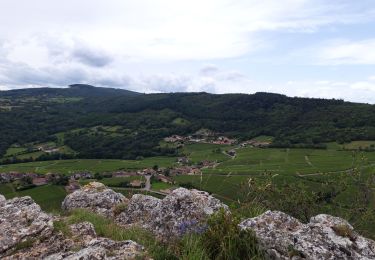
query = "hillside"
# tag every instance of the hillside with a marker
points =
(113, 123)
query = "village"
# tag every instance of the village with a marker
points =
(206, 136)
(21, 181)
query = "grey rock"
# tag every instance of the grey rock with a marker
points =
(325, 237)
(179, 212)
(21, 221)
(95, 197)
(102, 248)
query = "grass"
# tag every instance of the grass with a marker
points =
(14, 151)
(49, 197)
(211, 152)
(93, 165)
(253, 161)
(264, 138)
(107, 228)
(161, 186)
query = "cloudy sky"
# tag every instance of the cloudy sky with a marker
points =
(309, 48)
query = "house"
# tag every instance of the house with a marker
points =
(174, 138)
(232, 152)
(137, 184)
(147, 171)
(224, 140)
(164, 179)
(124, 174)
(39, 181)
(195, 171)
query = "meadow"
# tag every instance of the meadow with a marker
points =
(49, 197)
(329, 173)
(93, 165)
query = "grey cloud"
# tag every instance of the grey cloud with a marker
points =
(91, 57)
(209, 70)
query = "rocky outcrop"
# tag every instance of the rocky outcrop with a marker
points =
(96, 197)
(22, 222)
(325, 237)
(26, 232)
(179, 212)
(103, 248)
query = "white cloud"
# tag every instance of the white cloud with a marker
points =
(348, 52)
(108, 43)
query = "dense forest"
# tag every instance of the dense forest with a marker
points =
(37, 115)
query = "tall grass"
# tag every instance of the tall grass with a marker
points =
(107, 228)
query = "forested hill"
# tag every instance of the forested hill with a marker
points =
(142, 120)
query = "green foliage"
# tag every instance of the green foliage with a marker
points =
(49, 197)
(107, 228)
(62, 226)
(224, 239)
(192, 247)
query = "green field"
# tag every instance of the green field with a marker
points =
(49, 197)
(14, 151)
(93, 165)
(318, 169)
(211, 152)
(253, 161)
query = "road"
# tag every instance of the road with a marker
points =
(148, 182)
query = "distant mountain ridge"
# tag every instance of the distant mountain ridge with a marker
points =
(31, 115)
(74, 90)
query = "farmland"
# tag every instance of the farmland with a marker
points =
(49, 197)
(93, 165)
(321, 171)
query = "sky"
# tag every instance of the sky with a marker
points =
(304, 48)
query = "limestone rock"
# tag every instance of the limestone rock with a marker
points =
(325, 237)
(96, 197)
(179, 212)
(22, 221)
(103, 248)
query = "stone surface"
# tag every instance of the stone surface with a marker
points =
(179, 212)
(103, 248)
(325, 237)
(96, 197)
(22, 221)
(26, 232)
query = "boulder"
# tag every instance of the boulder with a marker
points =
(179, 212)
(103, 248)
(22, 222)
(96, 197)
(325, 237)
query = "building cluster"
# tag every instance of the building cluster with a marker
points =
(201, 138)
(255, 143)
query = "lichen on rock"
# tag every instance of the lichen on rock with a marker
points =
(96, 197)
(179, 212)
(284, 237)
(22, 221)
